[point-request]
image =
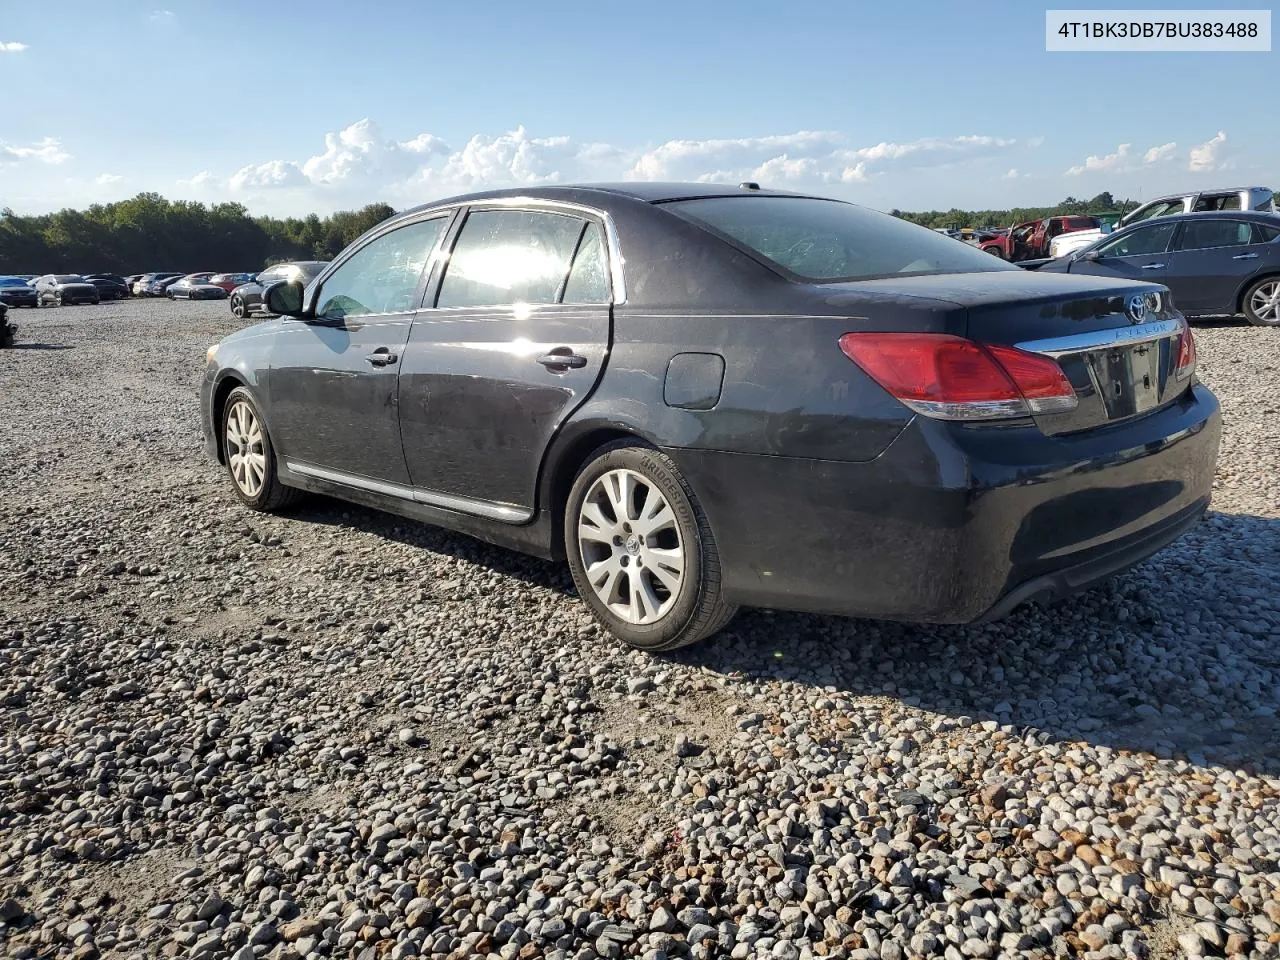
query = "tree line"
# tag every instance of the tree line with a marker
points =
(149, 232)
(956, 219)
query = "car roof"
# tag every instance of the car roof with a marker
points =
(649, 191)
(1264, 216)
(1196, 193)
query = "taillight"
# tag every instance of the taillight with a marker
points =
(951, 378)
(1186, 364)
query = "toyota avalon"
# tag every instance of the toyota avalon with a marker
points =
(703, 397)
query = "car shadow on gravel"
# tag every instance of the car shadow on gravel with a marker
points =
(336, 513)
(1178, 657)
(41, 346)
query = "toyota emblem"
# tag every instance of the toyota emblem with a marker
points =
(1137, 308)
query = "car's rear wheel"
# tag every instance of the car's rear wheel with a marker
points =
(57, 299)
(995, 252)
(251, 460)
(641, 550)
(1262, 302)
(237, 308)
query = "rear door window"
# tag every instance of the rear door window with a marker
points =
(588, 277)
(503, 257)
(1206, 234)
(1218, 201)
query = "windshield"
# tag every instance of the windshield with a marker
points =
(12, 282)
(826, 240)
(69, 278)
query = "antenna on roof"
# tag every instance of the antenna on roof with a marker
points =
(749, 185)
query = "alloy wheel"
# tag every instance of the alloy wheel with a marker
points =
(246, 450)
(631, 547)
(237, 308)
(1265, 302)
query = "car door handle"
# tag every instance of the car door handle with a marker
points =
(1245, 256)
(1153, 266)
(560, 362)
(382, 357)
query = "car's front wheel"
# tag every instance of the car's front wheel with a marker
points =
(237, 308)
(1262, 302)
(641, 550)
(251, 460)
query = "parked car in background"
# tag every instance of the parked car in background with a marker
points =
(65, 289)
(919, 451)
(149, 284)
(229, 281)
(157, 287)
(1212, 263)
(1031, 239)
(195, 286)
(110, 286)
(17, 292)
(246, 300)
(132, 282)
(1256, 199)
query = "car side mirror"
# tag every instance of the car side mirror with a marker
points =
(284, 297)
(1091, 255)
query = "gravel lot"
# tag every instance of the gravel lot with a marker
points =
(339, 734)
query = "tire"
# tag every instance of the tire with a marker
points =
(662, 611)
(237, 308)
(57, 299)
(255, 481)
(1261, 302)
(995, 252)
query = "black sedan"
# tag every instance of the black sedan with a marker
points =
(703, 397)
(246, 299)
(17, 292)
(110, 286)
(65, 289)
(1214, 264)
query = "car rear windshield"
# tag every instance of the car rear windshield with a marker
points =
(827, 240)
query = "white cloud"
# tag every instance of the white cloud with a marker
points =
(1110, 161)
(105, 178)
(1123, 160)
(48, 150)
(273, 173)
(202, 179)
(805, 157)
(1204, 158)
(359, 163)
(12, 46)
(1012, 174)
(163, 16)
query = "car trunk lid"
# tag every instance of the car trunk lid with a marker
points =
(1118, 342)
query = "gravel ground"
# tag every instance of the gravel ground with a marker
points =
(340, 734)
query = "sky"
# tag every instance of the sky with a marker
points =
(291, 107)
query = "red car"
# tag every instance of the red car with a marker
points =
(229, 281)
(1030, 240)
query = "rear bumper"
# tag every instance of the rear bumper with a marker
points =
(955, 524)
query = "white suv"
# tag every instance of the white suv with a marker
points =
(1229, 198)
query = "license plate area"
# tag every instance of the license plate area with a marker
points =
(1130, 380)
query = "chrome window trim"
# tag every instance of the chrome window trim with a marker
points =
(1104, 339)
(469, 505)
